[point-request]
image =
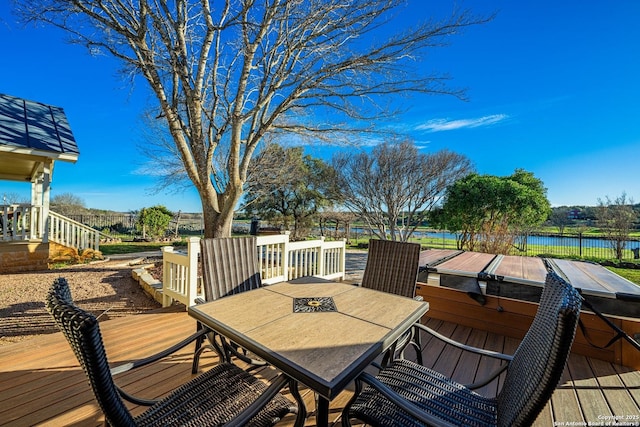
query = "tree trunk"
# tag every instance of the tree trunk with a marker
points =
(216, 224)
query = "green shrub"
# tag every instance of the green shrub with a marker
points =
(154, 221)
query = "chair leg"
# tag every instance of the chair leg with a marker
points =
(418, 343)
(388, 356)
(301, 416)
(346, 422)
(201, 347)
(198, 350)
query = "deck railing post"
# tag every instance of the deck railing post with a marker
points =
(166, 276)
(343, 260)
(193, 251)
(321, 253)
(284, 256)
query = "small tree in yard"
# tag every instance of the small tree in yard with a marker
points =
(615, 219)
(489, 211)
(154, 221)
(227, 75)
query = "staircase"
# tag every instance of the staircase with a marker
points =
(26, 236)
(24, 222)
(70, 233)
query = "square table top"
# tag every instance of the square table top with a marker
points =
(323, 350)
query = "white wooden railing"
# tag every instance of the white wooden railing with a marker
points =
(25, 222)
(280, 260)
(20, 221)
(73, 234)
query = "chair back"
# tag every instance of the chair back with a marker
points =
(392, 267)
(83, 334)
(540, 359)
(229, 266)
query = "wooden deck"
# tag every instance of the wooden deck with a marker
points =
(42, 384)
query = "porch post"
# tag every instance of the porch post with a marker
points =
(46, 195)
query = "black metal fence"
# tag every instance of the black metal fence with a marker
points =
(553, 244)
(580, 245)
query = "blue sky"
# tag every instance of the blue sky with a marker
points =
(553, 88)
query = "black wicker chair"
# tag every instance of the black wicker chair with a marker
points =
(393, 267)
(229, 266)
(225, 395)
(408, 394)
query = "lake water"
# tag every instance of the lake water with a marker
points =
(570, 241)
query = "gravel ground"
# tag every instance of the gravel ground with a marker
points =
(106, 289)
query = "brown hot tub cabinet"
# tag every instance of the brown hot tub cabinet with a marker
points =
(499, 294)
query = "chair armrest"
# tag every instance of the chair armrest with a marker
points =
(403, 404)
(488, 379)
(252, 410)
(255, 362)
(465, 347)
(160, 355)
(134, 399)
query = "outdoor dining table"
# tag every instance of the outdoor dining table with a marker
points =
(322, 334)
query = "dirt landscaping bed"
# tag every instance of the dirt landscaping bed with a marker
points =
(106, 289)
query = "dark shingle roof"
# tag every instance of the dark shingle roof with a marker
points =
(36, 128)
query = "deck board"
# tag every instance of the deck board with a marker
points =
(616, 395)
(42, 384)
(564, 403)
(590, 396)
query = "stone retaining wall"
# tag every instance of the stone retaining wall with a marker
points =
(19, 257)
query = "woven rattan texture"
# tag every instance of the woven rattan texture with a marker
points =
(532, 376)
(392, 267)
(212, 398)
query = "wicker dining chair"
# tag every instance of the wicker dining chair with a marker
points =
(223, 395)
(229, 266)
(407, 394)
(392, 267)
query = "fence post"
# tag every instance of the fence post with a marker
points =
(580, 242)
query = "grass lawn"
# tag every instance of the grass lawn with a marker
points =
(131, 247)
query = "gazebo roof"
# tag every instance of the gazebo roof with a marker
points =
(32, 133)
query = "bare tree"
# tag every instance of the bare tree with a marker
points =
(290, 188)
(341, 223)
(560, 218)
(394, 188)
(68, 204)
(615, 219)
(227, 74)
(13, 198)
